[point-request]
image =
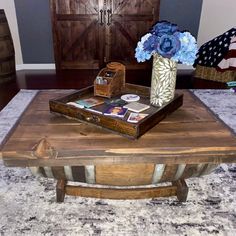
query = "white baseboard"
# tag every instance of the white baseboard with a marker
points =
(53, 67)
(35, 67)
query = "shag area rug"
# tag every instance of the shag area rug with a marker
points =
(28, 207)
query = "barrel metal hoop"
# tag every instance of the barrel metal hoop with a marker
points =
(5, 38)
(2, 20)
(158, 172)
(7, 75)
(9, 58)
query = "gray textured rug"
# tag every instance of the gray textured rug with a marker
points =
(28, 204)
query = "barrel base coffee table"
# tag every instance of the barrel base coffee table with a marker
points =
(190, 142)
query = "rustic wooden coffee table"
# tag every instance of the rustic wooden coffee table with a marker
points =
(188, 143)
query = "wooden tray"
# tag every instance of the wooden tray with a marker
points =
(118, 125)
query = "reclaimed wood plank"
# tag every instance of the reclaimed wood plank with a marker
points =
(168, 144)
(210, 129)
(93, 157)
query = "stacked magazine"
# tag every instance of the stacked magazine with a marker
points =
(113, 107)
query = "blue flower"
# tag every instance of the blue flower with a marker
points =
(166, 40)
(151, 44)
(164, 27)
(140, 53)
(188, 50)
(168, 45)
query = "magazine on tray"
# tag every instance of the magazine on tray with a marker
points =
(136, 117)
(117, 111)
(87, 102)
(136, 106)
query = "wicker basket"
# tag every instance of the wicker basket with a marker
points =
(210, 73)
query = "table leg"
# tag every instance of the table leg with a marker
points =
(182, 190)
(60, 190)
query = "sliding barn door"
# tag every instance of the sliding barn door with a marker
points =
(127, 21)
(88, 34)
(78, 33)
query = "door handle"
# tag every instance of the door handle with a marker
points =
(109, 15)
(101, 17)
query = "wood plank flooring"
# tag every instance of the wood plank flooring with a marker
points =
(77, 79)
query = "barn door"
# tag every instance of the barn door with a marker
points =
(126, 22)
(89, 33)
(78, 32)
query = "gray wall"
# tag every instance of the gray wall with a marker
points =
(34, 24)
(35, 32)
(185, 13)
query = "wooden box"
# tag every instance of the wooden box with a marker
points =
(114, 75)
(118, 125)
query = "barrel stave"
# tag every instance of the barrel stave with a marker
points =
(126, 174)
(7, 52)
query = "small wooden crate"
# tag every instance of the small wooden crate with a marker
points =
(115, 82)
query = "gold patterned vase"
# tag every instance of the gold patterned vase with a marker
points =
(164, 73)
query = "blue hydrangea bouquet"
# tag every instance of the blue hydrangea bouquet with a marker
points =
(166, 40)
(168, 46)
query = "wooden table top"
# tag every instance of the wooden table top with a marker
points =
(190, 135)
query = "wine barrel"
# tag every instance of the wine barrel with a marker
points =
(7, 52)
(125, 174)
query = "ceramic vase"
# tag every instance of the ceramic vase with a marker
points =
(163, 80)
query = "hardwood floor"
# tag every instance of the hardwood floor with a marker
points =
(77, 79)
